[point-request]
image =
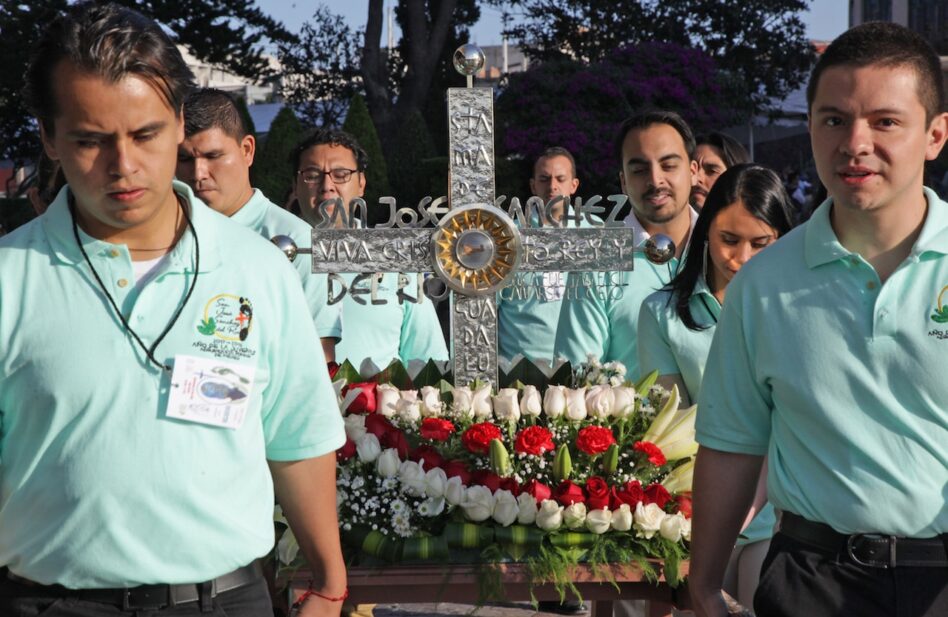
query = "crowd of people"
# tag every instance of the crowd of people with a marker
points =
(148, 284)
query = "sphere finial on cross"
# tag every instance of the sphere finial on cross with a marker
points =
(469, 59)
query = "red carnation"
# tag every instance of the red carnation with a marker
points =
(477, 438)
(365, 402)
(436, 429)
(485, 477)
(431, 457)
(657, 494)
(594, 440)
(347, 451)
(378, 425)
(534, 440)
(567, 493)
(395, 439)
(332, 368)
(683, 501)
(631, 494)
(598, 492)
(650, 450)
(539, 490)
(458, 468)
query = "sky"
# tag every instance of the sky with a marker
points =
(825, 20)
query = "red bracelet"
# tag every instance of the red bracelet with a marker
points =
(311, 592)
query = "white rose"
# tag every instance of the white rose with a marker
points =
(412, 475)
(528, 509)
(648, 519)
(478, 503)
(530, 404)
(554, 401)
(622, 518)
(387, 397)
(686, 530)
(454, 491)
(435, 481)
(576, 404)
(480, 404)
(598, 521)
(387, 463)
(433, 506)
(431, 405)
(600, 401)
(463, 400)
(355, 426)
(672, 527)
(550, 515)
(368, 448)
(506, 407)
(624, 401)
(506, 508)
(408, 395)
(575, 515)
(408, 410)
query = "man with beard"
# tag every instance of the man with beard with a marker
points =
(715, 153)
(600, 312)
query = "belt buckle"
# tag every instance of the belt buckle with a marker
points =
(888, 562)
(145, 597)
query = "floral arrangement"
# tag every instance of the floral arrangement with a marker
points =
(595, 470)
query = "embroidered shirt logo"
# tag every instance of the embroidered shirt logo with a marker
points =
(227, 321)
(941, 312)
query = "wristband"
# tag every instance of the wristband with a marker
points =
(312, 592)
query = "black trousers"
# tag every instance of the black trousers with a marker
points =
(18, 600)
(800, 581)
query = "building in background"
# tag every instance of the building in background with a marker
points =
(927, 17)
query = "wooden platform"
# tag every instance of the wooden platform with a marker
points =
(459, 584)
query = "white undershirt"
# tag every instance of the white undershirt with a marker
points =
(145, 270)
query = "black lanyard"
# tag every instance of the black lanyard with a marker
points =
(150, 352)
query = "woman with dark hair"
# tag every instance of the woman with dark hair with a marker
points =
(747, 209)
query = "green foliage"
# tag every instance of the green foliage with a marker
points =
(762, 43)
(359, 124)
(272, 171)
(412, 146)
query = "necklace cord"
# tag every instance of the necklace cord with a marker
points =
(150, 352)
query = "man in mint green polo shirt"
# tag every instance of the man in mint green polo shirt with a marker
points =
(529, 309)
(829, 356)
(656, 152)
(146, 380)
(214, 160)
(330, 164)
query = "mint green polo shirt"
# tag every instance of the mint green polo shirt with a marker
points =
(98, 487)
(391, 330)
(668, 346)
(602, 320)
(528, 311)
(839, 379)
(269, 220)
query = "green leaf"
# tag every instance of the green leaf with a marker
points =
(642, 386)
(563, 376)
(525, 372)
(348, 373)
(428, 376)
(208, 327)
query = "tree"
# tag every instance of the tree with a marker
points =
(229, 33)
(762, 43)
(318, 78)
(412, 146)
(580, 107)
(272, 172)
(359, 124)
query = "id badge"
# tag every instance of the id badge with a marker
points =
(209, 391)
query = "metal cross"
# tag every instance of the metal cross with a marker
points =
(476, 248)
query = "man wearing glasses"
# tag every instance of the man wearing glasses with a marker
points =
(330, 165)
(214, 160)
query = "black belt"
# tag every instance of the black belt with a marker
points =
(153, 597)
(867, 549)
